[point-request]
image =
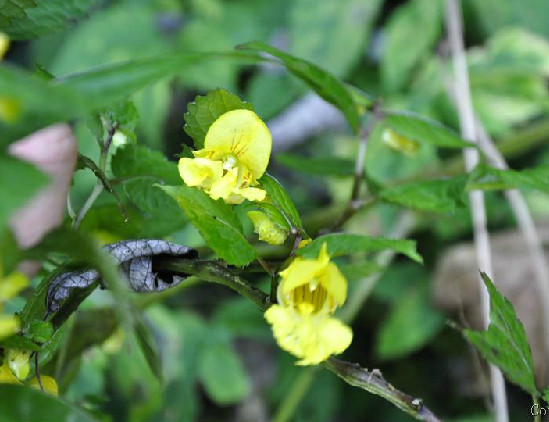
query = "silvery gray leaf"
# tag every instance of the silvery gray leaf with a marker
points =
(135, 258)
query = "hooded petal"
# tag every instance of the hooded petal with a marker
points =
(243, 134)
(267, 229)
(6, 376)
(48, 384)
(335, 283)
(299, 272)
(200, 172)
(224, 186)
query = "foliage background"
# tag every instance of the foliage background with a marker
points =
(219, 361)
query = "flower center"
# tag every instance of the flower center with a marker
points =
(311, 298)
(229, 162)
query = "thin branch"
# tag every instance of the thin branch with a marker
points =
(462, 93)
(97, 189)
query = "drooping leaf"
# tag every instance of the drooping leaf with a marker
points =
(221, 370)
(504, 344)
(205, 110)
(281, 200)
(322, 82)
(321, 166)
(346, 244)
(19, 181)
(19, 403)
(149, 347)
(421, 129)
(216, 222)
(405, 46)
(318, 29)
(485, 177)
(443, 196)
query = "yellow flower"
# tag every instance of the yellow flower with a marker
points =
(236, 152)
(267, 229)
(48, 383)
(308, 295)
(400, 143)
(9, 287)
(18, 362)
(4, 44)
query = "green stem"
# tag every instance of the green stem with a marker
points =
(536, 409)
(298, 390)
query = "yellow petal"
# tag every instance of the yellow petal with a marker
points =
(48, 384)
(335, 283)
(224, 187)
(9, 109)
(200, 172)
(243, 134)
(267, 229)
(18, 361)
(6, 376)
(11, 285)
(299, 272)
(8, 325)
(400, 143)
(251, 194)
(4, 44)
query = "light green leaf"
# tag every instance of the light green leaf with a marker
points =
(504, 344)
(485, 177)
(318, 29)
(40, 331)
(149, 346)
(442, 196)
(18, 403)
(216, 222)
(319, 80)
(346, 244)
(320, 166)
(281, 200)
(205, 110)
(241, 319)
(19, 181)
(354, 272)
(222, 372)
(409, 326)
(39, 17)
(406, 46)
(421, 129)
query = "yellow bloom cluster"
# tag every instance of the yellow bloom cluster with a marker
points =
(236, 152)
(9, 287)
(302, 322)
(15, 369)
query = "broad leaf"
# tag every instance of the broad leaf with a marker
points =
(443, 196)
(19, 181)
(346, 244)
(281, 200)
(216, 222)
(421, 129)
(205, 110)
(504, 344)
(319, 80)
(19, 403)
(321, 166)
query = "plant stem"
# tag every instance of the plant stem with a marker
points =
(97, 189)
(537, 415)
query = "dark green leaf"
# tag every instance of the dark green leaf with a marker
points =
(279, 197)
(355, 272)
(504, 344)
(346, 244)
(18, 403)
(321, 166)
(19, 181)
(20, 342)
(149, 347)
(216, 222)
(205, 110)
(322, 82)
(421, 129)
(443, 196)
(40, 331)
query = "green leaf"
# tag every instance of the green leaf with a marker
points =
(322, 82)
(216, 222)
(409, 326)
(354, 272)
(222, 372)
(241, 319)
(281, 200)
(320, 166)
(405, 46)
(205, 110)
(40, 331)
(20, 342)
(443, 196)
(39, 17)
(504, 344)
(318, 29)
(346, 244)
(485, 177)
(421, 129)
(149, 347)
(18, 403)
(546, 395)
(136, 160)
(19, 181)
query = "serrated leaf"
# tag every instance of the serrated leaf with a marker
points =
(320, 166)
(504, 344)
(205, 110)
(409, 326)
(216, 222)
(421, 129)
(280, 199)
(222, 372)
(44, 17)
(346, 244)
(443, 196)
(124, 117)
(19, 181)
(319, 80)
(535, 178)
